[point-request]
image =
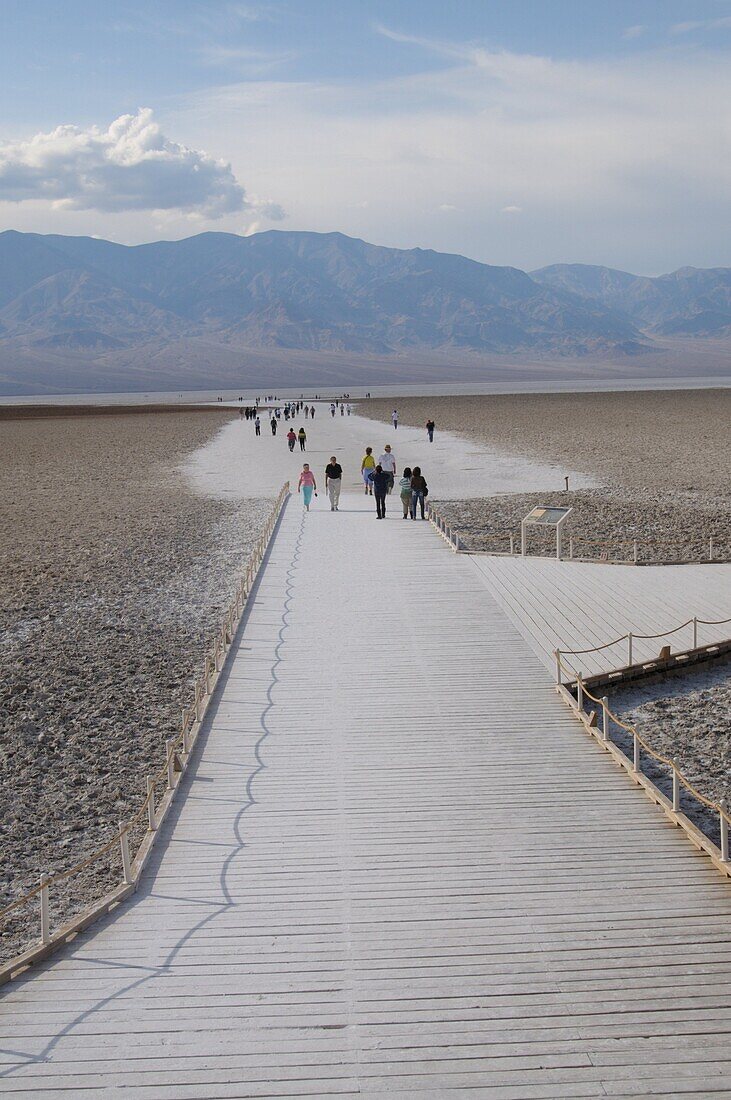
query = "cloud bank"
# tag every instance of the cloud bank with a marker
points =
(131, 166)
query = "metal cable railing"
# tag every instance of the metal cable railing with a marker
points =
(177, 752)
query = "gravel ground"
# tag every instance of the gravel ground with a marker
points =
(668, 525)
(116, 578)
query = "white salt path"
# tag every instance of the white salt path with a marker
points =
(238, 465)
(398, 867)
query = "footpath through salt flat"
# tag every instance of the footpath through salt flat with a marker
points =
(398, 866)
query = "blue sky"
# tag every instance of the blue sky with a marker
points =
(522, 133)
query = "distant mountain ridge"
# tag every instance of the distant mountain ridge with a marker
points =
(89, 309)
(289, 290)
(690, 301)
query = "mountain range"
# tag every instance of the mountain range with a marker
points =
(75, 309)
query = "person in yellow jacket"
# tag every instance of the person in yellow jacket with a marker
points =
(366, 468)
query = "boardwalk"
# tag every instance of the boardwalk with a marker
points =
(576, 605)
(398, 867)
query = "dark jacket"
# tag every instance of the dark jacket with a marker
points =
(380, 482)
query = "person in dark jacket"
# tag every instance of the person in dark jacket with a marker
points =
(380, 481)
(418, 492)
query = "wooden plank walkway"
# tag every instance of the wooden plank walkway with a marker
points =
(576, 605)
(399, 867)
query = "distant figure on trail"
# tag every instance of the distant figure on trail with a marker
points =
(405, 491)
(241, 413)
(274, 425)
(388, 462)
(332, 408)
(430, 426)
(342, 409)
(312, 412)
(307, 411)
(419, 491)
(302, 438)
(380, 481)
(394, 418)
(257, 426)
(367, 465)
(307, 485)
(333, 481)
(350, 409)
(291, 439)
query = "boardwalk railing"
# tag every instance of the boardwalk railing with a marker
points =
(629, 640)
(602, 723)
(150, 814)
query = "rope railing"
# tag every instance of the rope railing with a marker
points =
(630, 638)
(634, 766)
(177, 754)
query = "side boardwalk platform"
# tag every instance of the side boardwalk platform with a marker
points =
(397, 867)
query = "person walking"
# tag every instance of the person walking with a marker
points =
(332, 408)
(274, 425)
(307, 411)
(302, 438)
(307, 485)
(430, 426)
(312, 412)
(333, 481)
(388, 462)
(367, 467)
(405, 491)
(394, 418)
(291, 439)
(418, 492)
(257, 426)
(379, 480)
(350, 409)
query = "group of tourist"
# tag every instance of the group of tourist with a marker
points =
(379, 479)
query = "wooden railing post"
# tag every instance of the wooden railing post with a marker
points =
(676, 786)
(695, 632)
(635, 752)
(605, 718)
(724, 830)
(151, 824)
(170, 763)
(45, 917)
(580, 690)
(124, 845)
(629, 648)
(557, 656)
(634, 551)
(512, 543)
(710, 549)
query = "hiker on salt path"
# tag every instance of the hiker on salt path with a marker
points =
(333, 481)
(394, 419)
(257, 426)
(367, 467)
(380, 481)
(388, 462)
(307, 485)
(418, 492)
(430, 426)
(405, 491)
(312, 412)
(302, 438)
(291, 439)
(332, 408)
(307, 411)
(274, 425)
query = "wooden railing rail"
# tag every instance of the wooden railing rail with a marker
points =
(603, 735)
(178, 750)
(630, 638)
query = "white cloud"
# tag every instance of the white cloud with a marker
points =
(129, 166)
(511, 210)
(616, 158)
(724, 23)
(248, 62)
(635, 31)
(447, 206)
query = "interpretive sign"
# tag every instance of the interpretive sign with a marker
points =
(545, 516)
